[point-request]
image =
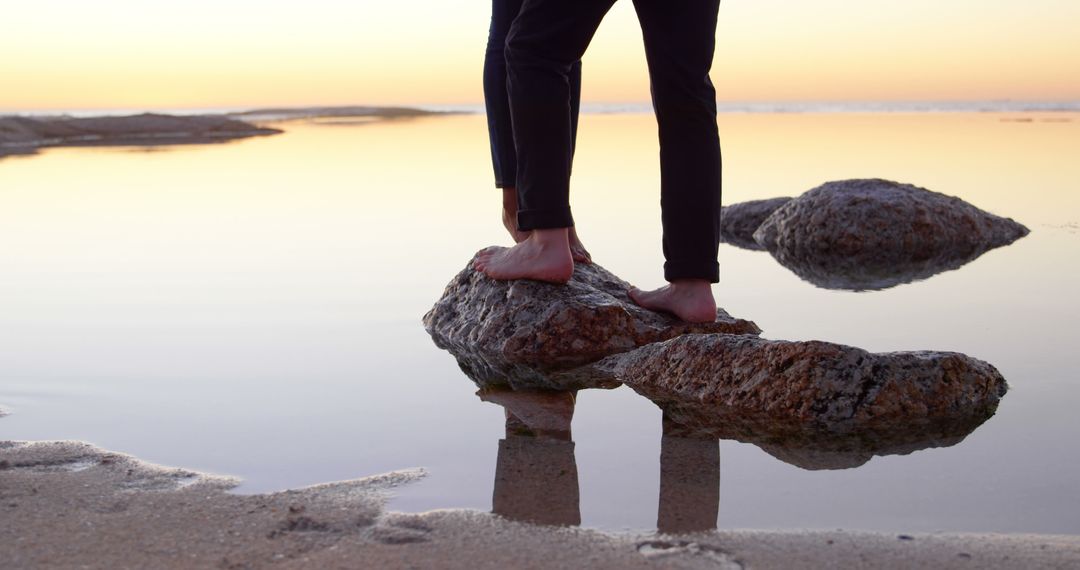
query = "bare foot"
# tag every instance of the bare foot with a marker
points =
(509, 220)
(691, 300)
(543, 256)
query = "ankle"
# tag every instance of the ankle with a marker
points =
(551, 238)
(692, 285)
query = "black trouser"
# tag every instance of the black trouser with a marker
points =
(545, 40)
(497, 100)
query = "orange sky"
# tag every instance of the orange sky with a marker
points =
(240, 53)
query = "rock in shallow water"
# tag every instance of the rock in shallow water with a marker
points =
(588, 334)
(873, 234)
(519, 332)
(738, 222)
(806, 383)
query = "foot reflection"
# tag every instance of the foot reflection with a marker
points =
(689, 481)
(536, 475)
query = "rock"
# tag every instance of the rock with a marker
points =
(521, 332)
(787, 386)
(814, 405)
(811, 403)
(875, 234)
(24, 134)
(738, 222)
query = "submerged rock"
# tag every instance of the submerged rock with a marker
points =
(874, 234)
(24, 134)
(520, 332)
(738, 222)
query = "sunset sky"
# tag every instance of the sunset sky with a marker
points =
(75, 54)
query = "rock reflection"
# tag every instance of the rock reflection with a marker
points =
(536, 474)
(865, 235)
(826, 447)
(872, 270)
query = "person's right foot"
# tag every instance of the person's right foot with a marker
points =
(509, 220)
(544, 256)
(691, 300)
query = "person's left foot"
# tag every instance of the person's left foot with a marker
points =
(578, 251)
(691, 300)
(509, 219)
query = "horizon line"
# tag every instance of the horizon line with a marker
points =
(599, 107)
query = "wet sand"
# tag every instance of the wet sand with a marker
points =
(69, 504)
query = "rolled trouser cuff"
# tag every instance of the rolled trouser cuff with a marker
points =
(537, 219)
(707, 270)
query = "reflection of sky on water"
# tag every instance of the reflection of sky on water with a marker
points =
(253, 309)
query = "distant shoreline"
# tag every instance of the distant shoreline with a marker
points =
(27, 134)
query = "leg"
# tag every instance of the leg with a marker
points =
(500, 130)
(679, 42)
(496, 100)
(545, 41)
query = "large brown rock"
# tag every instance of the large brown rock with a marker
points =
(789, 385)
(873, 234)
(815, 405)
(520, 332)
(813, 402)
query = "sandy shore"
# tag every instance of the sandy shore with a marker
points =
(69, 504)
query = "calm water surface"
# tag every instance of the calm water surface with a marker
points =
(254, 308)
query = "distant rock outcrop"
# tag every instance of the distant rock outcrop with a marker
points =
(521, 332)
(21, 135)
(738, 222)
(874, 234)
(340, 112)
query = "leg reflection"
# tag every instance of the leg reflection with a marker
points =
(689, 481)
(536, 477)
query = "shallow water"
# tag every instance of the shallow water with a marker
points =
(253, 309)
